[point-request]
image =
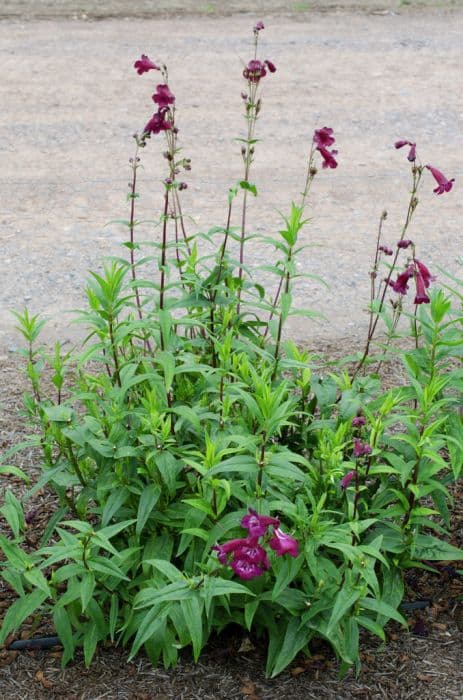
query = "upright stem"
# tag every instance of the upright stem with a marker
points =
(375, 316)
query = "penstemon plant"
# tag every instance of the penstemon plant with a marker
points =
(206, 470)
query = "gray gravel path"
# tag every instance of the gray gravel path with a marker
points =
(71, 101)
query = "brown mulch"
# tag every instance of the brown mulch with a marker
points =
(424, 662)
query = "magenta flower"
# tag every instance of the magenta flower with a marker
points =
(281, 543)
(259, 26)
(254, 553)
(421, 297)
(245, 569)
(443, 185)
(424, 273)
(323, 138)
(329, 161)
(361, 448)
(256, 524)
(412, 152)
(254, 71)
(230, 547)
(271, 66)
(358, 421)
(404, 243)
(163, 96)
(157, 123)
(144, 64)
(401, 284)
(345, 481)
(386, 250)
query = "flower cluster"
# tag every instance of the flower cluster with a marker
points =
(412, 152)
(422, 277)
(162, 120)
(443, 184)
(323, 139)
(255, 70)
(246, 556)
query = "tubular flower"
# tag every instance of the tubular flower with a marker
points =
(282, 543)
(424, 272)
(361, 448)
(421, 297)
(329, 161)
(245, 569)
(254, 71)
(401, 284)
(270, 65)
(386, 250)
(260, 25)
(323, 138)
(404, 243)
(345, 481)
(144, 64)
(163, 96)
(443, 185)
(256, 524)
(157, 123)
(232, 546)
(358, 421)
(412, 152)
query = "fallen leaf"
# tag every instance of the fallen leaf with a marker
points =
(297, 671)
(425, 677)
(245, 646)
(249, 689)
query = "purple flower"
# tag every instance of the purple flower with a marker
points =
(254, 553)
(259, 26)
(271, 66)
(323, 138)
(245, 569)
(424, 273)
(329, 161)
(254, 71)
(157, 123)
(163, 96)
(281, 543)
(401, 284)
(345, 481)
(421, 296)
(230, 547)
(404, 243)
(443, 185)
(358, 421)
(256, 524)
(144, 64)
(386, 250)
(361, 448)
(412, 152)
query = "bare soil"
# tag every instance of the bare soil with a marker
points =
(375, 72)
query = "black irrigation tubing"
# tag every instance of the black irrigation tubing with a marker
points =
(35, 643)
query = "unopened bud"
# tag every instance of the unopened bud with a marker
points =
(313, 171)
(384, 215)
(183, 186)
(414, 203)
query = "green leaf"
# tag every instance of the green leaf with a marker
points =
(14, 471)
(148, 499)
(296, 637)
(87, 586)
(166, 568)
(59, 414)
(114, 503)
(382, 608)
(113, 615)
(192, 612)
(19, 610)
(13, 513)
(434, 549)
(289, 568)
(245, 185)
(90, 642)
(37, 579)
(64, 631)
(345, 599)
(371, 626)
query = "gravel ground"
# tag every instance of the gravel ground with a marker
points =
(72, 100)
